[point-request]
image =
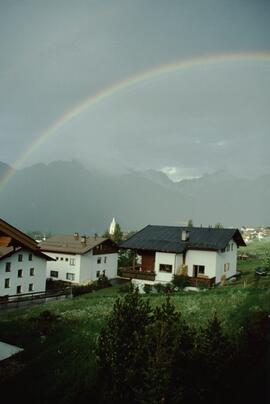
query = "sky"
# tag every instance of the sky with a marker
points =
(55, 54)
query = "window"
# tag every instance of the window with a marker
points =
(198, 270)
(30, 257)
(7, 283)
(228, 247)
(31, 287)
(61, 259)
(201, 269)
(8, 266)
(66, 259)
(72, 261)
(54, 274)
(98, 274)
(57, 258)
(70, 277)
(104, 272)
(19, 273)
(32, 272)
(99, 260)
(19, 289)
(165, 268)
(226, 267)
(105, 260)
(20, 257)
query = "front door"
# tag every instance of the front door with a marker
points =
(195, 271)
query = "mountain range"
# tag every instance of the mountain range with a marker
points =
(64, 197)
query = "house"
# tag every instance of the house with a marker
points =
(205, 255)
(80, 259)
(22, 264)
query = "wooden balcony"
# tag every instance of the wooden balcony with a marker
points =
(137, 273)
(200, 281)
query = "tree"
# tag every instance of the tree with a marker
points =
(106, 234)
(267, 260)
(119, 345)
(213, 355)
(118, 234)
(190, 223)
(218, 226)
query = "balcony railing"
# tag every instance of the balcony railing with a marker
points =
(137, 273)
(209, 282)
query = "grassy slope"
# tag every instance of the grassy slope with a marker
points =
(62, 364)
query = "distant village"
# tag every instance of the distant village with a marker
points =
(255, 233)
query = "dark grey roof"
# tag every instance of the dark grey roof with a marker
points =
(168, 239)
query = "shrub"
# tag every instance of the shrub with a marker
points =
(147, 288)
(159, 287)
(164, 287)
(78, 290)
(46, 322)
(102, 282)
(181, 281)
(126, 288)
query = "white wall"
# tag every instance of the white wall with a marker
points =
(63, 266)
(38, 279)
(206, 258)
(90, 266)
(227, 257)
(85, 268)
(165, 258)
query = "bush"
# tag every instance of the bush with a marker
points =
(102, 282)
(159, 287)
(147, 288)
(126, 288)
(46, 322)
(78, 290)
(164, 288)
(181, 281)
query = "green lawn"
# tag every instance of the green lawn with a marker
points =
(58, 361)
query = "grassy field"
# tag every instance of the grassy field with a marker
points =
(58, 362)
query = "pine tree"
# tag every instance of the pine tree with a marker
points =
(118, 234)
(118, 346)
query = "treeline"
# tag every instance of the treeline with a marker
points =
(152, 355)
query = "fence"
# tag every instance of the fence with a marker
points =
(26, 299)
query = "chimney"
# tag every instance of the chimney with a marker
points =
(83, 239)
(185, 235)
(76, 236)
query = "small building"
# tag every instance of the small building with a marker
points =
(80, 259)
(205, 255)
(22, 263)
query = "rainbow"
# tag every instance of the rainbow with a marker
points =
(130, 82)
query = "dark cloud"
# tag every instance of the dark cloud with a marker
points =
(54, 54)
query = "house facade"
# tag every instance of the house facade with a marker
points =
(80, 259)
(205, 255)
(22, 264)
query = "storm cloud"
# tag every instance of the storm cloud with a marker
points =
(55, 54)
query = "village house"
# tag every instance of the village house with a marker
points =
(80, 259)
(205, 255)
(22, 263)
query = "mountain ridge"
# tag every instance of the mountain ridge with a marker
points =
(65, 197)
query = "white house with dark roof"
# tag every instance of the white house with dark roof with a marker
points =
(205, 255)
(80, 259)
(22, 264)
